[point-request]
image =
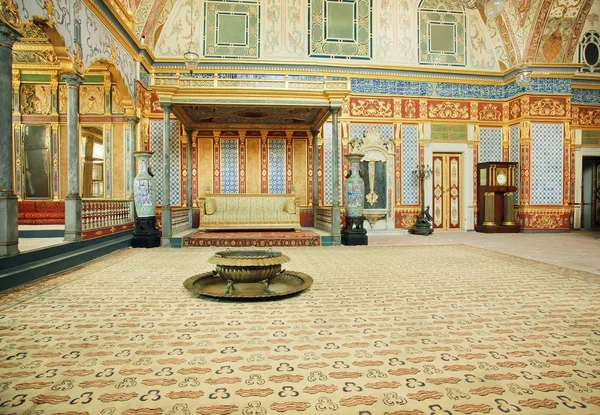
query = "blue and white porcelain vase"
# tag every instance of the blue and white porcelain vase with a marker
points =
(354, 188)
(143, 187)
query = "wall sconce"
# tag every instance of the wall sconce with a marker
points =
(523, 78)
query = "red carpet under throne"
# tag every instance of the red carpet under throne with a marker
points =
(251, 238)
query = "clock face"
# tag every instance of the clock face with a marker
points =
(501, 179)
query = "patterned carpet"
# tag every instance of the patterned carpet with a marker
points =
(383, 330)
(251, 238)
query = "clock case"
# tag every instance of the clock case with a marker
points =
(495, 201)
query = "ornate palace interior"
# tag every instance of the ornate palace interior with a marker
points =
(261, 100)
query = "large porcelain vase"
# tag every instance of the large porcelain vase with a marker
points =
(143, 187)
(354, 188)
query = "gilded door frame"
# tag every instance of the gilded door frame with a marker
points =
(445, 192)
(467, 205)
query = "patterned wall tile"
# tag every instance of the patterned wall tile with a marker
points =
(390, 87)
(156, 161)
(546, 164)
(490, 144)
(231, 29)
(340, 29)
(277, 166)
(229, 166)
(513, 154)
(441, 34)
(410, 163)
(327, 169)
(586, 96)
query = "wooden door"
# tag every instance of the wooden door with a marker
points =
(447, 176)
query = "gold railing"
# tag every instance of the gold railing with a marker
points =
(98, 214)
(282, 82)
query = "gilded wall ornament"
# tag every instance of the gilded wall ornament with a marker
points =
(371, 107)
(117, 100)
(9, 14)
(91, 99)
(547, 106)
(35, 99)
(490, 112)
(452, 110)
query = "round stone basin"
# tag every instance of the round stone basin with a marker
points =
(248, 266)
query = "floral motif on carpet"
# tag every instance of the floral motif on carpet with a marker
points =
(249, 238)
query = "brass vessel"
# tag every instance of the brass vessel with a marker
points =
(248, 266)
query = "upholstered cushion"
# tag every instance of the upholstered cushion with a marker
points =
(289, 206)
(210, 206)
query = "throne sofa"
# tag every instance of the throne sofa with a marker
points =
(249, 211)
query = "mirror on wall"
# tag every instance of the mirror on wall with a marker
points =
(36, 166)
(92, 162)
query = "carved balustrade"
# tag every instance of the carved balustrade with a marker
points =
(98, 214)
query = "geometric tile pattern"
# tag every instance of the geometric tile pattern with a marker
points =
(157, 162)
(231, 29)
(277, 166)
(546, 164)
(410, 162)
(490, 144)
(513, 154)
(229, 166)
(441, 34)
(340, 29)
(466, 331)
(327, 165)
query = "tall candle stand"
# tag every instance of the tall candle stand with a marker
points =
(423, 225)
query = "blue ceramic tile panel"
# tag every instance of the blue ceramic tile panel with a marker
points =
(276, 166)
(229, 166)
(490, 144)
(586, 96)
(410, 163)
(327, 170)
(390, 87)
(513, 154)
(174, 158)
(156, 161)
(546, 164)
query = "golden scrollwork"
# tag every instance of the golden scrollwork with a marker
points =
(91, 99)
(411, 109)
(35, 99)
(49, 6)
(547, 106)
(62, 99)
(371, 107)
(117, 100)
(9, 14)
(490, 113)
(591, 117)
(78, 64)
(515, 109)
(454, 110)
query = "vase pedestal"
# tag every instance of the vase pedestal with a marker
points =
(354, 233)
(145, 234)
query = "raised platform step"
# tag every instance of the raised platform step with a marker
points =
(31, 265)
(253, 238)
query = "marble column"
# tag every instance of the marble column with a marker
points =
(315, 169)
(167, 218)
(188, 156)
(130, 158)
(9, 216)
(335, 166)
(73, 202)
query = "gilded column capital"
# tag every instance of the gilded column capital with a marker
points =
(8, 34)
(73, 80)
(133, 120)
(9, 14)
(166, 106)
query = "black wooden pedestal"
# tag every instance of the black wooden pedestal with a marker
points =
(354, 233)
(145, 234)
